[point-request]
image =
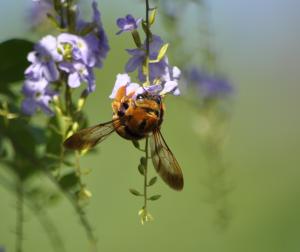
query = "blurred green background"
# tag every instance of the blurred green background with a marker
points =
(259, 49)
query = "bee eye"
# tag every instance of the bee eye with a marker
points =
(140, 97)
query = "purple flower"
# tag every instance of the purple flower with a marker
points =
(129, 23)
(37, 95)
(96, 39)
(170, 79)
(124, 80)
(75, 48)
(210, 86)
(134, 89)
(79, 72)
(156, 70)
(43, 60)
(38, 10)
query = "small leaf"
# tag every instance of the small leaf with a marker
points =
(162, 52)
(136, 144)
(69, 180)
(154, 197)
(135, 192)
(152, 181)
(152, 16)
(68, 163)
(141, 169)
(137, 39)
(143, 161)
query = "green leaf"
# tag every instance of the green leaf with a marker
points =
(13, 52)
(135, 192)
(154, 197)
(136, 38)
(136, 144)
(69, 180)
(143, 161)
(141, 169)
(152, 181)
(162, 52)
(152, 16)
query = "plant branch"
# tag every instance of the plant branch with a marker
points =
(146, 174)
(147, 42)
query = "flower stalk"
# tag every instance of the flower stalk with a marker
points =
(147, 44)
(146, 173)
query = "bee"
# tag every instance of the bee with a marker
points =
(134, 119)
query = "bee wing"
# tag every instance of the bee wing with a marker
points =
(89, 137)
(165, 162)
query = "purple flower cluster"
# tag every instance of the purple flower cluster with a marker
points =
(163, 77)
(167, 85)
(67, 53)
(209, 86)
(138, 57)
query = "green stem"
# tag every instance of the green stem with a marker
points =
(147, 43)
(78, 169)
(68, 99)
(146, 174)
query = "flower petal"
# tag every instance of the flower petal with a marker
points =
(74, 80)
(169, 87)
(121, 22)
(29, 106)
(43, 103)
(131, 88)
(176, 72)
(122, 80)
(133, 63)
(50, 71)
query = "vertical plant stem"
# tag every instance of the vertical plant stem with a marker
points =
(20, 216)
(147, 42)
(146, 174)
(68, 99)
(77, 167)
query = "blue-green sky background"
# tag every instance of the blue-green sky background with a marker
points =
(258, 45)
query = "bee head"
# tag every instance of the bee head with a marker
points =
(147, 97)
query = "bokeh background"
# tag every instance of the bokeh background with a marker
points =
(258, 44)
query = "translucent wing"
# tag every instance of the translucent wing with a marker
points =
(165, 162)
(89, 137)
